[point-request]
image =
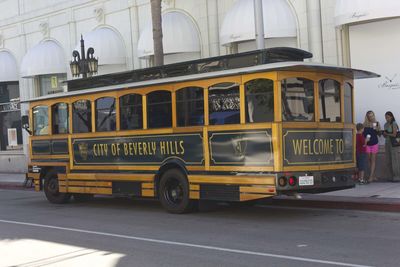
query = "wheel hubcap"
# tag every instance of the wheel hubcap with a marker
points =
(174, 192)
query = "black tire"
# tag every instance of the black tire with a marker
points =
(174, 192)
(51, 189)
(82, 197)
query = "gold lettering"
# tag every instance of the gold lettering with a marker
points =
(162, 148)
(131, 149)
(140, 148)
(304, 146)
(182, 148)
(135, 145)
(154, 147)
(118, 149)
(113, 149)
(172, 148)
(145, 149)
(94, 150)
(126, 151)
(316, 152)
(176, 148)
(297, 146)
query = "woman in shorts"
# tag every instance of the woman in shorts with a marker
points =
(371, 130)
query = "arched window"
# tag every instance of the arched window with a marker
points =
(190, 106)
(81, 116)
(329, 101)
(348, 103)
(259, 100)
(40, 120)
(131, 112)
(60, 118)
(224, 104)
(159, 109)
(297, 99)
(105, 114)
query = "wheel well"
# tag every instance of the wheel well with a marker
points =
(168, 166)
(47, 169)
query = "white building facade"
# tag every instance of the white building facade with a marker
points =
(37, 39)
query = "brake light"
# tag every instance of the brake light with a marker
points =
(292, 180)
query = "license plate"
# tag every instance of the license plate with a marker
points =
(306, 180)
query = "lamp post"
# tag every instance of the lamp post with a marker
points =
(83, 65)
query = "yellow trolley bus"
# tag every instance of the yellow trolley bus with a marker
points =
(231, 128)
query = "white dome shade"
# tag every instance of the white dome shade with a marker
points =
(179, 36)
(108, 46)
(46, 57)
(349, 11)
(238, 24)
(8, 67)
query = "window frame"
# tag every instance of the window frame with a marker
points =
(180, 89)
(68, 118)
(49, 131)
(119, 122)
(173, 109)
(84, 98)
(341, 99)
(94, 116)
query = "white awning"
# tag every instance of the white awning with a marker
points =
(179, 36)
(8, 67)
(108, 46)
(46, 57)
(238, 24)
(350, 11)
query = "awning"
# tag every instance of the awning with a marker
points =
(179, 36)
(238, 24)
(108, 46)
(350, 11)
(8, 67)
(46, 57)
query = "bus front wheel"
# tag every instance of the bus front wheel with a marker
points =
(51, 190)
(174, 192)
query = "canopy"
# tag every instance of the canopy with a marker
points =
(350, 11)
(46, 57)
(179, 36)
(108, 46)
(238, 24)
(8, 67)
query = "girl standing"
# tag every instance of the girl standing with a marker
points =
(391, 153)
(371, 129)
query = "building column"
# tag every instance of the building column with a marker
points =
(134, 23)
(315, 42)
(213, 28)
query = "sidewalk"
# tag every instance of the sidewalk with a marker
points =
(380, 196)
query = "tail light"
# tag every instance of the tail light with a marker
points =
(282, 181)
(292, 180)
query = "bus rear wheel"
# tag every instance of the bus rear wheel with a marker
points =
(51, 189)
(174, 192)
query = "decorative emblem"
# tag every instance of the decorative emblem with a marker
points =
(44, 28)
(239, 146)
(83, 150)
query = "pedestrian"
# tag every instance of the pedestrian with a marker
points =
(391, 152)
(371, 129)
(361, 153)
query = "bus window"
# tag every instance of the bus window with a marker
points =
(224, 104)
(131, 112)
(259, 100)
(348, 103)
(40, 120)
(82, 116)
(190, 106)
(329, 101)
(105, 114)
(297, 99)
(60, 118)
(159, 109)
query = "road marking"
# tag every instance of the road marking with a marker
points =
(160, 241)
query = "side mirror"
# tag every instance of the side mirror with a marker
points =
(25, 123)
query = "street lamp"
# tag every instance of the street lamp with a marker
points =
(82, 65)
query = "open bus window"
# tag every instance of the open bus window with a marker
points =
(159, 109)
(40, 120)
(60, 118)
(259, 100)
(224, 104)
(297, 99)
(82, 116)
(131, 112)
(348, 103)
(105, 114)
(329, 101)
(190, 106)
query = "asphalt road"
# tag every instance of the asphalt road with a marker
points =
(126, 232)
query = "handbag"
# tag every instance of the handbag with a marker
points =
(395, 140)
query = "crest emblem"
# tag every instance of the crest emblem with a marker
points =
(83, 150)
(239, 146)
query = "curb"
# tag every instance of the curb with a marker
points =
(333, 202)
(15, 186)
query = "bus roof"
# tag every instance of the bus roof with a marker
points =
(276, 62)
